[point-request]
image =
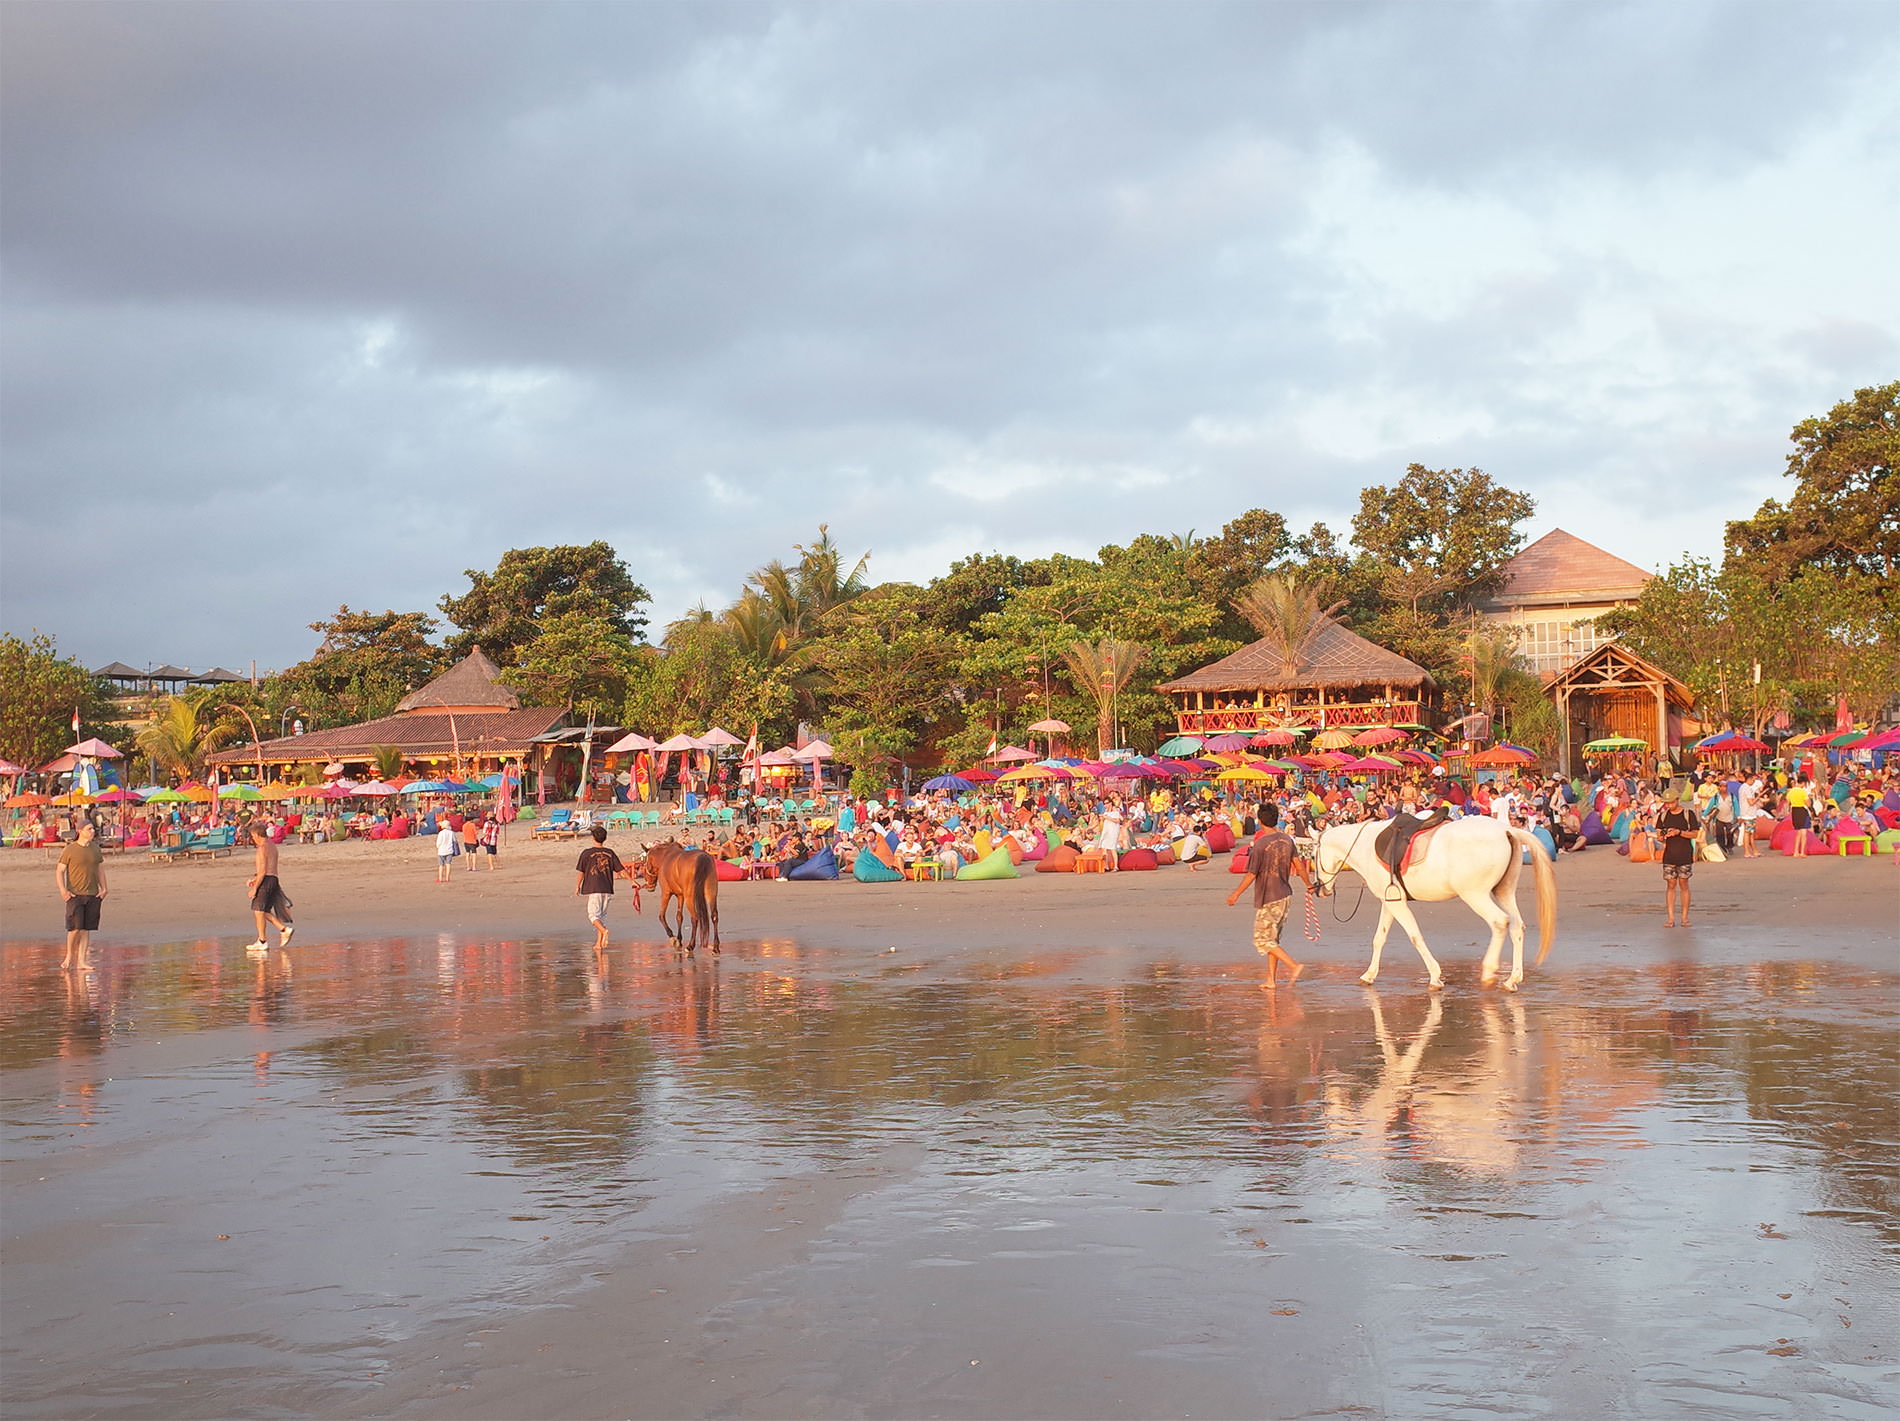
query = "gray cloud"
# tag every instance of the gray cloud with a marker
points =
(307, 303)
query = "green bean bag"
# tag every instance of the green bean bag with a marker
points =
(995, 864)
(1888, 842)
(869, 868)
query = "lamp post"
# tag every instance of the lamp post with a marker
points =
(257, 740)
(284, 719)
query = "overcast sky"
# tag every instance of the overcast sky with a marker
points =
(306, 304)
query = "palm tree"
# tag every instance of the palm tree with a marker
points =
(1101, 670)
(387, 761)
(180, 738)
(1288, 614)
(1493, 653)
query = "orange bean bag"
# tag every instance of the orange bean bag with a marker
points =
(1164, 856)
(1015, 847)
(1139, 861)
(1060, 859)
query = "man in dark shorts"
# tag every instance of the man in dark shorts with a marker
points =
(1271, 862)
(594, 874)
(81, 878)
(1677, 827)
(269, 903)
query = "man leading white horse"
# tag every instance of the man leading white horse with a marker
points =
(1475, 859)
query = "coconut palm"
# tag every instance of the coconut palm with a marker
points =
(1288, 614)
(1100, 670)
(387, 762)
(1493, 655)
(180, 738)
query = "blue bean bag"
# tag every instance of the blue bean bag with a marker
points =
(993, 865)
(1543, 837)
(869, 868)
(1620, 830)
(819, 867)
(1593, 830)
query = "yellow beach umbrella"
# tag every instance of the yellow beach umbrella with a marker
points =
(1243, 772)
(1332, 739)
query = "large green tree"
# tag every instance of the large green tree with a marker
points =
(1440, 535)
(578, 660)
(1844, 515)
(365, 663)
(39, 691)
(504, 610)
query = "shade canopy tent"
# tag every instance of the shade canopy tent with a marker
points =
(630, 742)
(679, 742)
(1010, 754)
(95, 749)
(816, 750)
(7, 767)
(718, 737)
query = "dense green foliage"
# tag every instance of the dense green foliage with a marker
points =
(39, 691)
(1806, 590)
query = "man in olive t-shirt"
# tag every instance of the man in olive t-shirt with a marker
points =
(81, 877)
(1271, 864)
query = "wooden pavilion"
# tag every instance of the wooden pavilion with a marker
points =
(1342, 681)
(1613, 691)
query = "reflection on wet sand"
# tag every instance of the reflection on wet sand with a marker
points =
(502, 1119)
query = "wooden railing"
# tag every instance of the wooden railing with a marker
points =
(1351, 716)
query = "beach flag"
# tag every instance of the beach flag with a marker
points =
(75, 720)
(749, 758)
(643, 777)
(992, 750)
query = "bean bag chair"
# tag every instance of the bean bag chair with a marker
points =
(1012, 846)
(1543, 837)
(1849, 838)
(1220, 836)
(1238, 863)
(1888, 842)
(869, 868)
(728, 872)
(981, 839)
(820, 867)
(1645, 847)
(1593, 830)
(1764, 829)
(1164, 856)
(1887, 818)
(1037, 850)
(1060, 859)
(1139, 861)
(1620, 830)
(994, 865)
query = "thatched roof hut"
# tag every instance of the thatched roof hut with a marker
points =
(1341, 680)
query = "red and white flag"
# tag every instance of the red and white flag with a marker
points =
(992, 749)
(75, 720)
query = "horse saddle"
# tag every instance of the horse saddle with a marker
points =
(1395, 844)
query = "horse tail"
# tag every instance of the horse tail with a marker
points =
(703, 870)
(1546, 876)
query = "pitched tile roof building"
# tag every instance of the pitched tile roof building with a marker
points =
(1553, 590)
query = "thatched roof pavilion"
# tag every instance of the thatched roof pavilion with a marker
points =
(1341, 680)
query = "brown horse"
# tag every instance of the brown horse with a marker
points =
(689, 875)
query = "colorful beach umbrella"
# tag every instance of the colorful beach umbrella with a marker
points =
(1332, 739)
(243, 792)
(1243, 772)
(949, 782)
(1379, 735)
(1610, 744)
(1279, 735)
(1180, 745)
(978, 776)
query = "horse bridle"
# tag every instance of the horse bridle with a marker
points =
(1327, 880)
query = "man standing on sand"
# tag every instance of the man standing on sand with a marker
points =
(1678, 828)
(445, 846)
(81, 878)
(1270, 862)
(269, 903)
(594, 874)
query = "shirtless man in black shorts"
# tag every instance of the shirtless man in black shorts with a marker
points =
(269, 904)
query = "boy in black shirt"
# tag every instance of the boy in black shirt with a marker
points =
(1678, 828)
(594, 875)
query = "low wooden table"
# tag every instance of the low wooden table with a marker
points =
(1092, 863)
(761, 870)
(924, 871)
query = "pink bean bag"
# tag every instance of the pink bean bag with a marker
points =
(1060, 859)
(728, 872)
(1220, 837)
(1038, 849)
(1139, 861)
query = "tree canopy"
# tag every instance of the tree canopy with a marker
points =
(504, 610)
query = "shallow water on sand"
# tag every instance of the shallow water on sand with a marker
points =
(366, 1179)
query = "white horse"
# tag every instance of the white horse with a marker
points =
(1475, 859)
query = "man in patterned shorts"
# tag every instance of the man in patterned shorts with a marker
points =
(1271, 864)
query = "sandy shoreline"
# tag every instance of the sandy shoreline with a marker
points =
(1843, 910)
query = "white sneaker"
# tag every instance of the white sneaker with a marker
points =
(283, 939)
(259, 947)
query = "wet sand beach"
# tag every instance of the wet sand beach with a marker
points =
(1040, 1149)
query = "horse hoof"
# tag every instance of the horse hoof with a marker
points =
(1511, 985)
(1368, 980)
(1488, 981)
(1438, 984)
